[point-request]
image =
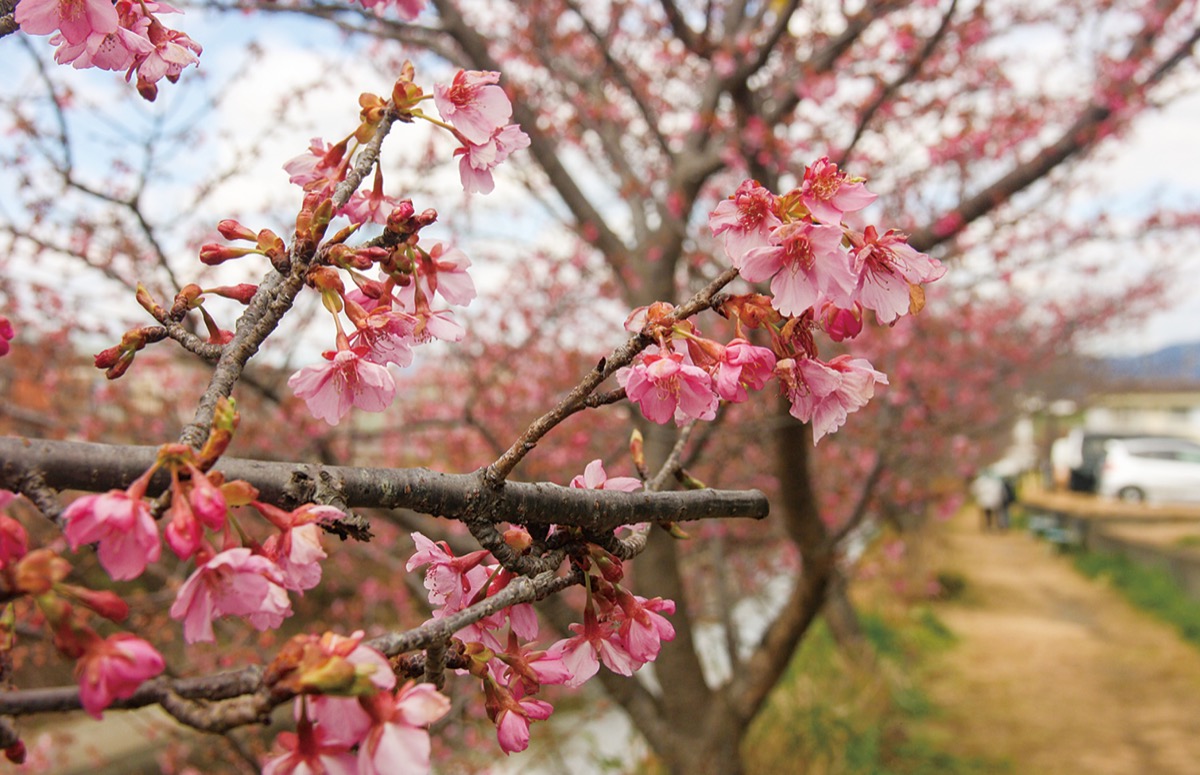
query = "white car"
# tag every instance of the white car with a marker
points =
(1151, 469)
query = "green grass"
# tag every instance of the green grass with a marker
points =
(1151, 589)
(834, 717)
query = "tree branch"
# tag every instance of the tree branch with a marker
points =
(100, 467)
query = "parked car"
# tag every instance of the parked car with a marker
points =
(1082, 453)
(1151, 469)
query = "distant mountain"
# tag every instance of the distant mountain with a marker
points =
(1177, 363)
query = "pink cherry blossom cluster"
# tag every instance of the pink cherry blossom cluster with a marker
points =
(107, 669)
(125, 35)
(479, 110)
(235, 575)
(620, 630)
(390, 316)
(473, 107)
(823, 274)
(371, 729)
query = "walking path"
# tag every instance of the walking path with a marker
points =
(1056, 673)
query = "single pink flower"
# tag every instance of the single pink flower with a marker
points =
(320, 169)
(666, 387)
(595, 478)
(127, 534)
(115, 51)
(346, 379)
(207, 500)
(478, 160)
(371, 207)
(474, 104)
(6, 334)
(644, 628)
(113, 669)
(398, 741)
(512, 725)
(825, 393)
(746, 220)
(743, 365)
(309, 751)
(342, 720)
(886, 265)
(388, 336)
(235, 582)
(803, 261)
(297, 553)
(407, 10)
(829, 193)
(439, 324)
(14, 541)
(75, 19)
(450, 580)
(592, 643)
(173, 51)
(841, 324)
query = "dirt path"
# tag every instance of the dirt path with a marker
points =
(1055, 673)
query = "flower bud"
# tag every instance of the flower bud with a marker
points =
(232, 230)
(243, 292)
(213, 254)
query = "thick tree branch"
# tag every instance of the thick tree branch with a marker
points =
(100, 467)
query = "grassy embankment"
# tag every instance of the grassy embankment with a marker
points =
(830, 715)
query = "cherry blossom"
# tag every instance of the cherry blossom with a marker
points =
(7, 332)
(347, 379)
(397, 742)
(113, 669)
(442, 270)
(235, 582)
(388, 336)
(14, 541)
(512, 723)
(77, 20)
(474, 104)
(479, 159)
(745, 220)
(644, 628)
(803, 261)
(666, 387)
(297, 553)
(829, 193)
(371, 206)
(407, 10)
(742, 364)
(825, 393)
(592, 644)
(126, 532)
(447, 576)
(308, 751)
(172, 51)
(886, 265)
(318, 170)
(595, 478)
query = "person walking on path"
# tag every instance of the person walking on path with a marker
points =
(988, 492)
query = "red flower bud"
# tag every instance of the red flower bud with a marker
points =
(242, 292)
(213, 254)
(231, 229)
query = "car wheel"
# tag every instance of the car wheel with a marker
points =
(1132, 494)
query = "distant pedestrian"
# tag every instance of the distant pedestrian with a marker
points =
(988, 492)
